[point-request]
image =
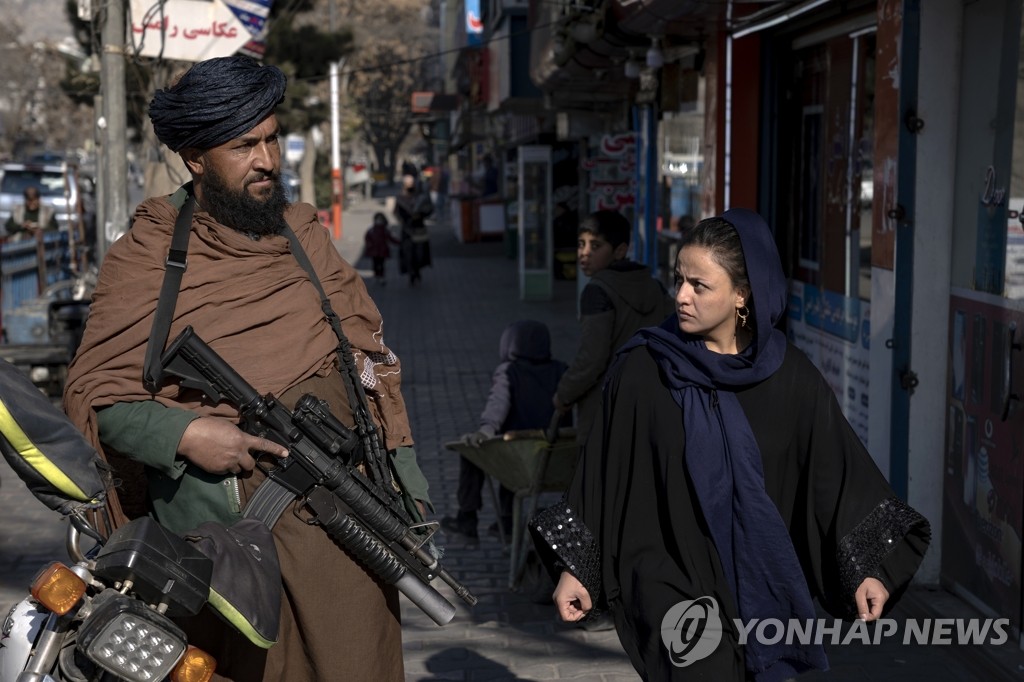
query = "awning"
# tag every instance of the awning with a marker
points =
(685, 19)
(578, 57)
(424, 102)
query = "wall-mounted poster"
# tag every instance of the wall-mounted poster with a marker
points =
(981, 518)
(835, 333)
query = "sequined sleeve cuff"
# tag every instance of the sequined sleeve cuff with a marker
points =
(564, 543)
(862, 550)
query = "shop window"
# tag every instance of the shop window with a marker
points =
(826, 176)
(681, 163)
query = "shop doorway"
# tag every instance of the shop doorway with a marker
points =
(824, 200)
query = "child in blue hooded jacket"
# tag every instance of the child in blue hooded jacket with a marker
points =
(522, 387)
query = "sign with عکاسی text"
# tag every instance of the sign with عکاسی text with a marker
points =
(194, 30)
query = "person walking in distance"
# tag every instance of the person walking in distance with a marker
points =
(412, 208)
(378, 240)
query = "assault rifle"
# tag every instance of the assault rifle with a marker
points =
(322, 470)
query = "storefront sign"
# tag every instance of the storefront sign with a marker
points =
(611, 174)
(194, 30)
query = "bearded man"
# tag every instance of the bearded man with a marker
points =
(246, 295)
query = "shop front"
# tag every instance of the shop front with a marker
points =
(892, 150)
(982, 472)
(816, 144)
(824, 212)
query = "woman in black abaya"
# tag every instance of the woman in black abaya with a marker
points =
(725, 475)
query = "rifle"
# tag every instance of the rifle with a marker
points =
(321, 470)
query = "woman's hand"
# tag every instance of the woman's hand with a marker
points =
(870, 597)
(218, 446)
(571, 598)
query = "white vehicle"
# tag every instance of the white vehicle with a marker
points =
(59, 188)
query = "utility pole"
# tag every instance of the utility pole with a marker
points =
(113, 130)
(337, 181)
(337, 178)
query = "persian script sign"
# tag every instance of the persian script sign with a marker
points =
(194, 30)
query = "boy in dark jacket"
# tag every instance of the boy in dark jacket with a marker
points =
(378, 238)
(520, 398)
(620, 298)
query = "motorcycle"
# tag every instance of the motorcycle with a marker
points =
(107, 616)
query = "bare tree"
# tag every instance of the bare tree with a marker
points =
(395, 39)
(34, 115)
(382, 98)
(17, 73)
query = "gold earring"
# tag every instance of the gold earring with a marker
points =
(742, 313)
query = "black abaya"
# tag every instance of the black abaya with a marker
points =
(650, 545)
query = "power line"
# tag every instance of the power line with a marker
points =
(435, 55)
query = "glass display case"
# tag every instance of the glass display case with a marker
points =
(534, 214)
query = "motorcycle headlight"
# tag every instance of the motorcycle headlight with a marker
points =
(128, 639)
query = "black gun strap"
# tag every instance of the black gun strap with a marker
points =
(177, 259)
(357, 397)
(365, 427)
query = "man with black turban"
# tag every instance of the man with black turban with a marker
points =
(245, 293)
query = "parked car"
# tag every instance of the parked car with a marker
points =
(59, 187)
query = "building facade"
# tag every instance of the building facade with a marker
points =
(879, 140)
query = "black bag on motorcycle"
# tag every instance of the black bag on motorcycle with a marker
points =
(245, 589)
(44, 449)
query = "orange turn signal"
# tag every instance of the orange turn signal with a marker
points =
(195, 666)
(57, 588)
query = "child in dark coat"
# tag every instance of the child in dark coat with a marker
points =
(522, 386)
(378, 239)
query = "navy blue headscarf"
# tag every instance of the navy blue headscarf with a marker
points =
(216, 101)
(724, 461)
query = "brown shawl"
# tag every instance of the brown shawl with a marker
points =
(249, 300)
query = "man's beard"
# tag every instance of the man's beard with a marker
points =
(243, 212)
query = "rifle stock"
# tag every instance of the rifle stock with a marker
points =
(320, 469)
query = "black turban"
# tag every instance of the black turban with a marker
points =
(216, 101)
